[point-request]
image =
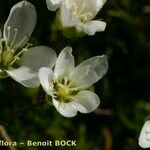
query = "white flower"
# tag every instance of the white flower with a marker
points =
(68, 85)
(144, 138)
(80, 14)
(14, 61)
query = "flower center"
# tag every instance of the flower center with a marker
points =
(9, 52)
(7, 57)
(63, 92)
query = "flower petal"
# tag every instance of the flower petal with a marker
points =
(20, 24)
(86, 101)
(91, 27)
(24, 76)
(144, 138)
(73, 12)
(87, 9)
(31, 62)
(52, 5)
(37, 57)
(88, 72)
(99, 4)
(64, 63)
(45, 77)
(65, 109)
(67, 18)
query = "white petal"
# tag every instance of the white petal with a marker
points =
(87, 9)
(37, 57)
(91, 27)
(52, 5)
(24, 76)
(45, 77)
(89, 72)
(65, 109)
(67, 18)
(86, 101)
(64, 63)
(84, 10)
(144, 138)
(20, 24)
(100, 4)
(102, 66)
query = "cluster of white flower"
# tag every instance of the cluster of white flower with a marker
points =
(67, 85)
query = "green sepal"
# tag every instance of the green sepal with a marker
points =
(72, 33)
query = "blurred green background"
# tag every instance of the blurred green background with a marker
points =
(124, 91)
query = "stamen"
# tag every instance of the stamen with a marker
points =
(13, 44)
(65, 81)
(28, 45)
(1, 45)
(10, 50)
(60, 85)
(16, 46)
(16, 57)
(62, 91)
(14, 38)
(84, 17)
(54, 94)
(8, 38)
(73, 89)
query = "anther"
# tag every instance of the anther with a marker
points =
(10, 50)
(16, 46)
(28, 45)
(16, 58)
(25, 49)
(65, 81)
(1, 45)
(14, 38)
(8, 38)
